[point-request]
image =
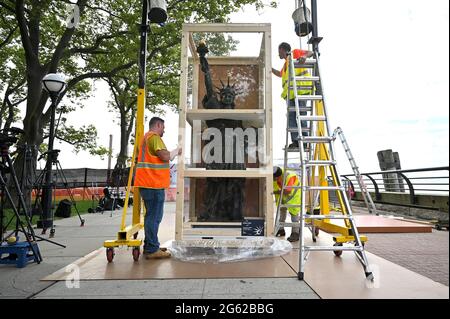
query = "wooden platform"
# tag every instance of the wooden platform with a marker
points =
(95, 267)
(343, 278)
(329, 276)
(379, 224)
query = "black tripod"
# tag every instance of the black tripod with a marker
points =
(27, 178)
(52, 157)
(22, 225)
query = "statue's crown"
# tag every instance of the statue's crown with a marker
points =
(228, 88)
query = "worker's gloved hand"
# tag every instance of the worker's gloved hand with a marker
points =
(176, 152)
(302, 60)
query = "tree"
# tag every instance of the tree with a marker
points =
(12, 80)
(36, 41)
(96, 40)
(163, 60)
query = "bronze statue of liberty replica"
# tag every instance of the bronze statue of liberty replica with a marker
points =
(224, 197)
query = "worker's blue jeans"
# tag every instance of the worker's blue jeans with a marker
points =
(154, 205)
(293, 120)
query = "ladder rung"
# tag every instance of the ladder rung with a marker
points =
(294, 169)
(333, 248)
(303, 66)
(295, 150)
(295, 130)
(323, 188)
(316, 139)
(301, 109)
(312, 118)
(295, 225)
(307, 78)
(302, 87)
(310, 63)
(309, 97)
(320, 163)
(290, 206)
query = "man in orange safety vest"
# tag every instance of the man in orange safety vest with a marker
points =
(152, 176)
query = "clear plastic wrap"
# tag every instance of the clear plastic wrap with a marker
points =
(225, 251)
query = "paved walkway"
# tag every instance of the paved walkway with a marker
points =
(427, 255)
(25, 283)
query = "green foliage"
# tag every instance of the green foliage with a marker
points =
(12, 79)
(104, 45)
(82, 138)
(163, 61)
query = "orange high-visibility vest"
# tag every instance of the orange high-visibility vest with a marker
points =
(292, 198)
(296, 54)
(151, 171)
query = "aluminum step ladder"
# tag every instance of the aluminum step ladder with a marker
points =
(362, 186)
(318, 138)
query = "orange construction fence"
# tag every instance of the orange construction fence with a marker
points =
(88, 193)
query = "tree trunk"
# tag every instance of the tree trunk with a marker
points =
(124, 138)
(33, 136)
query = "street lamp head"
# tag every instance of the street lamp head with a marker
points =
(54, 83)
(157, 11)
(302, 20)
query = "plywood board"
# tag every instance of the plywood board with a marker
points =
(379, 224)
(95, 267)
(329, 276)
(343, 277)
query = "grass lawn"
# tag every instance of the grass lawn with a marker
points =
(82, 206)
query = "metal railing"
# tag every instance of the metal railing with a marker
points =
(425, 181)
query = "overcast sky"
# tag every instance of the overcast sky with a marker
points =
(385, 74)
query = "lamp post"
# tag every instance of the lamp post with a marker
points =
(54, 84)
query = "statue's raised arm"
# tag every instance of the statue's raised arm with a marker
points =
(202, 50)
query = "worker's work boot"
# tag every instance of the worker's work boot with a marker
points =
(294, 237)
(294, 145)
(281, 233)
(160, 254)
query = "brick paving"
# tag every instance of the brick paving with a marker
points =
(426, 254)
